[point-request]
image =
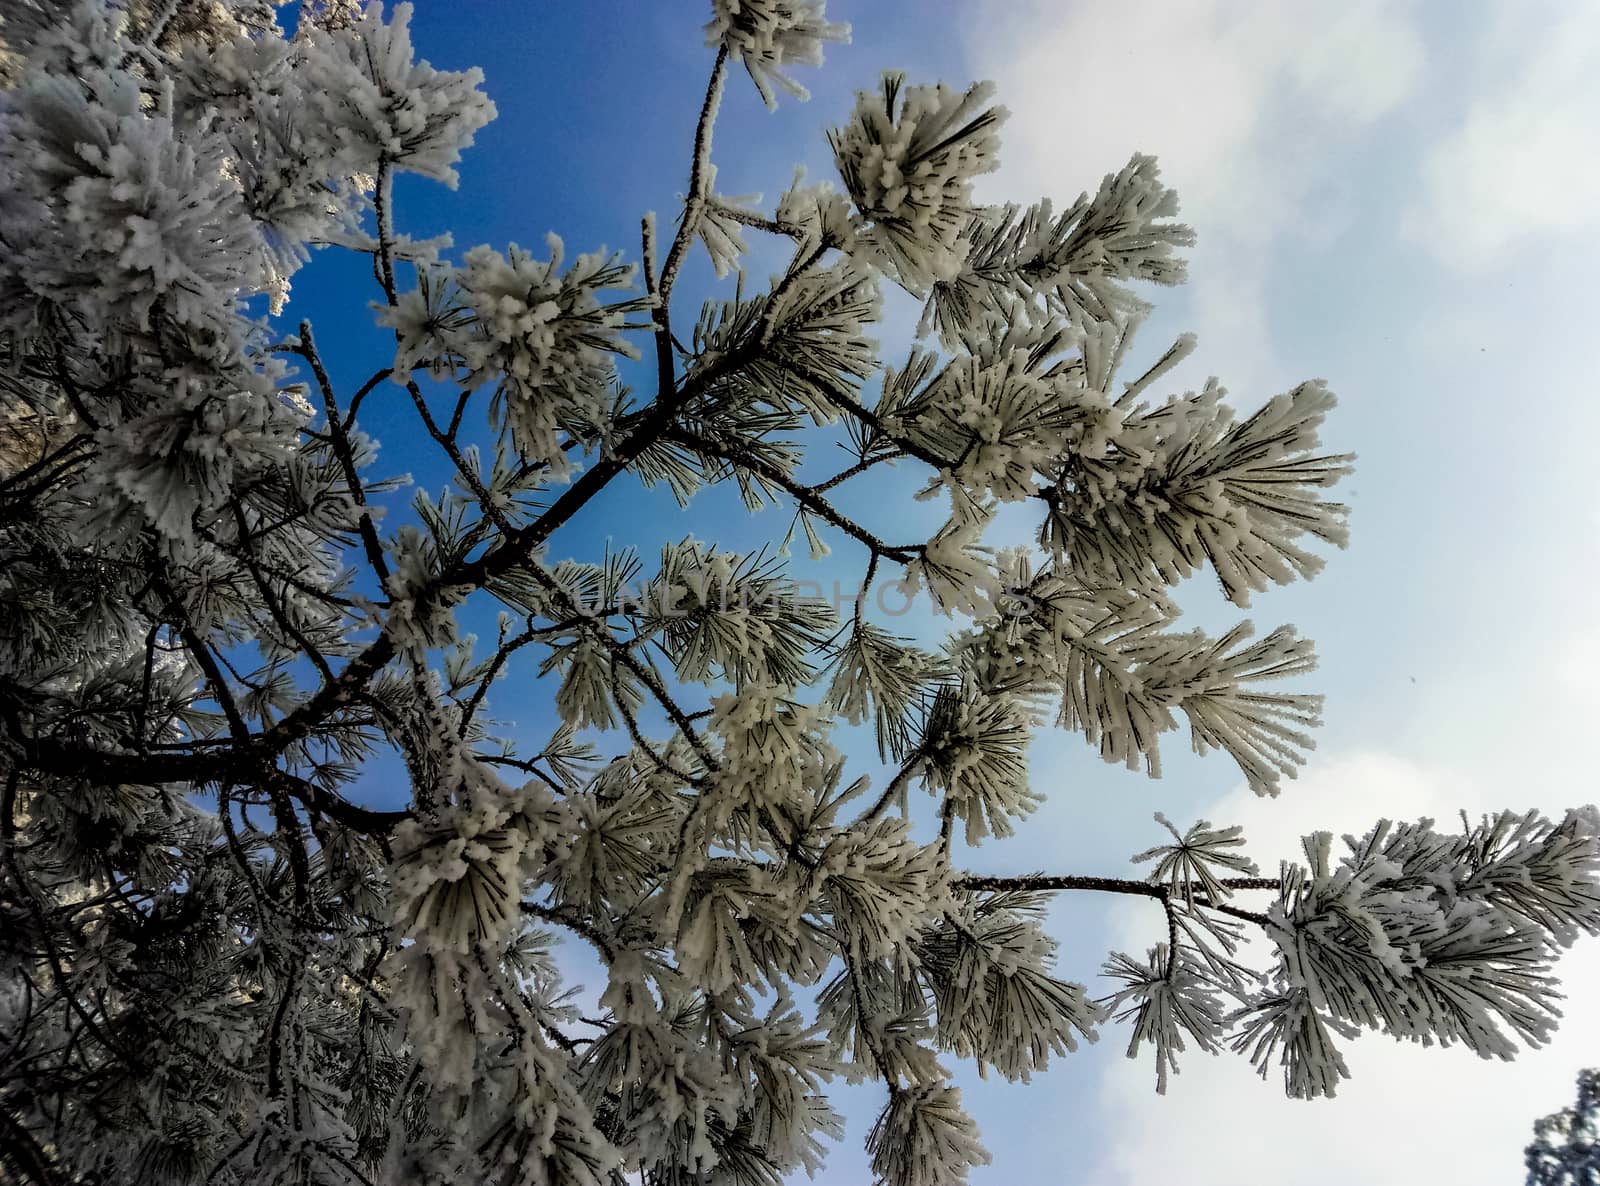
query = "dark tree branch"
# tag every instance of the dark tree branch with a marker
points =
(661, 287)
(277, 612)
(805, 496)
(845, 475)
(576, 925)
(896, 788)
(1028, 883)
(340, 441)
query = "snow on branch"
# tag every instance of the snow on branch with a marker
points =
(767, 35)
(313, 774)
(1074, 263)
(907, 159)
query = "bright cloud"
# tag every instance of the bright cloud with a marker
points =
(1244, 104)
(1521, 161)
(1510, 736)
(1272, 120)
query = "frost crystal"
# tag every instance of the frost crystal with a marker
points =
(291, 884)
(766, 35)
(381, 108)
(543, 335)
(908, 157)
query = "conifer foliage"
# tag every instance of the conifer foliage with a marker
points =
(217, 610)
(1566, 1144)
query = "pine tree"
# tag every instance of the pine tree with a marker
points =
(1566, 1144)
(217, 610)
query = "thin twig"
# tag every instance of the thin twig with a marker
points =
(340, 441)
(896, 788)
(812, 502)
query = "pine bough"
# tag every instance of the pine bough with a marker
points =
(219, 968)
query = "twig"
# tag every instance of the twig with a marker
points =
(340, 441)
(811, 501)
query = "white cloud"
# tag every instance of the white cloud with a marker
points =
(1242, 104)
(1521, 162)
(1262, 115)
(1509, 731)
(1511, 735)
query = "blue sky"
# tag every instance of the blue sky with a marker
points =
(1400, 199)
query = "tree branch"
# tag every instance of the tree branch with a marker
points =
(757, 221)
(1109, 885)
(803, 495)
(661, 288)
(339, 440)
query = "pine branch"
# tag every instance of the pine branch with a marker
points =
(576, 925)
(661, 287)
(748, 218)
(1035, 883)
(894, 790)
(803, 495)
(845, 475)
(338, 435)
(186, 539)
(274, 608)
(24, 1153)
(383, 205)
